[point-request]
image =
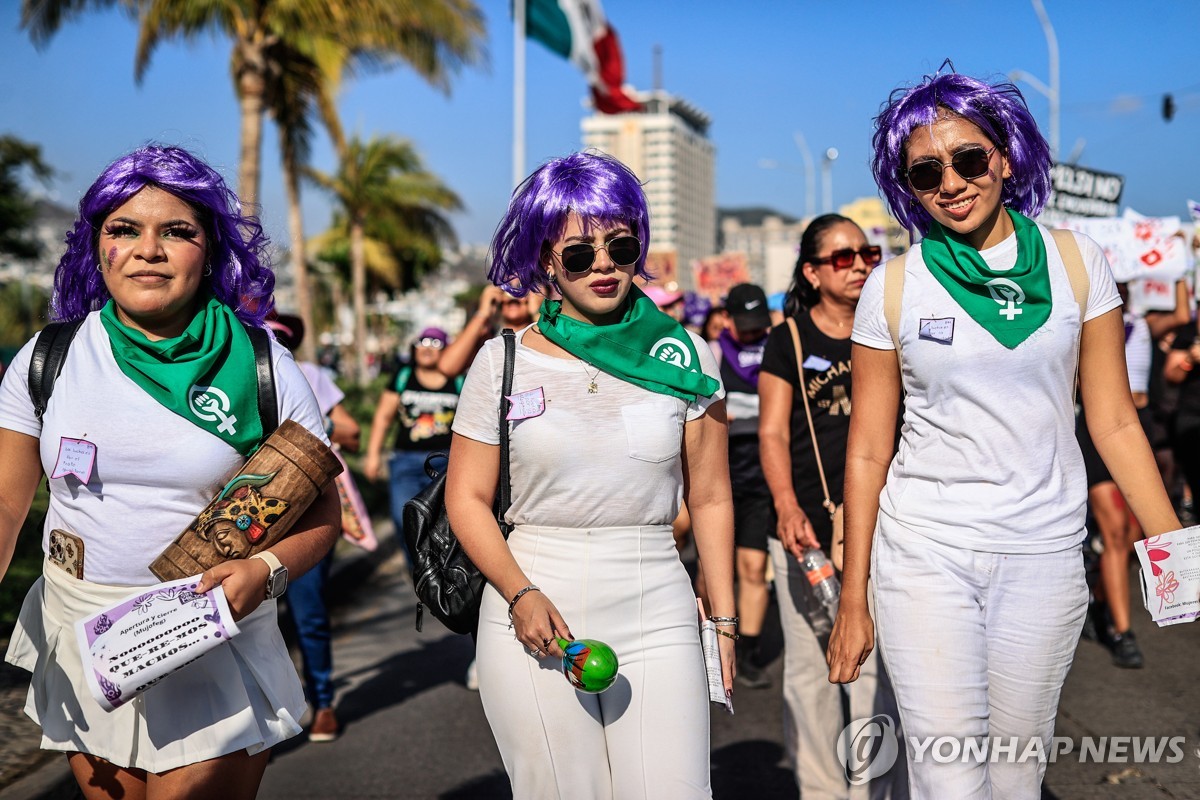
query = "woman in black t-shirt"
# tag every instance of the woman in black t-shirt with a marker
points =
(832, 267)
(422, 400)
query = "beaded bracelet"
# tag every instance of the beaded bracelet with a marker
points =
(727, 634)
(518, 596)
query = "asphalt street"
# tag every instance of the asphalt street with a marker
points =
(413, 730)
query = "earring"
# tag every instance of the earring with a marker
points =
(99, 268)
(550, 276)
(207, 269)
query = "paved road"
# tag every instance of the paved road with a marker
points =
(412, 730)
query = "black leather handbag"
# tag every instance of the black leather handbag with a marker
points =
(445, 580)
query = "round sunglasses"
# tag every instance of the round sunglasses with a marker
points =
(428, 341)
(623, 251)
(970, 163)
(871, 255)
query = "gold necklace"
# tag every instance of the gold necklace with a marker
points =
(593, 387)
(829, 319)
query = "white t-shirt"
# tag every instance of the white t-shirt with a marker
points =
(608, 459)
(154, 471)
(324, 389)
(988, 459)
(1139, 350)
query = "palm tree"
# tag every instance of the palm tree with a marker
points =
(434, 37)
(382, 184)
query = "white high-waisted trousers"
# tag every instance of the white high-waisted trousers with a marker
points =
(647, 736)
(977, 644)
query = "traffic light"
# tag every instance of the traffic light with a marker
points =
(1168, 107)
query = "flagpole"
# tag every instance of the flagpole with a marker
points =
(518, 159)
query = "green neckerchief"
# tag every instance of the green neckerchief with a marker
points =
(1011, 304)
(205, 375)
(646, 348)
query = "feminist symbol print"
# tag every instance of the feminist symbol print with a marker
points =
(1007, 294)
(211, 404)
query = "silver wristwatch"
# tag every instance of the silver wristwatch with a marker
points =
(277, 578)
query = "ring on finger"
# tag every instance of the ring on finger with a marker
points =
(536, 653)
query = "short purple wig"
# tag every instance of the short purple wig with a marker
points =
(241, 273)
(597, 187)
(998, 110)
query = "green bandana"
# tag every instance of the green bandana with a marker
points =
(646, 348)
(1010, 305)
(205, 375)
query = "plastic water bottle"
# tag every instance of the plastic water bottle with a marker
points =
(825, 585)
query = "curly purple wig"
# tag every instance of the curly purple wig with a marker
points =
(597, 187)
(998, 110)
(241, 273)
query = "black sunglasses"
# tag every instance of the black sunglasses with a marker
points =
(970, 164)
(623, 250)
(871, 255)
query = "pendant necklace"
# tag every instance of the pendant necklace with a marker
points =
(593, 387)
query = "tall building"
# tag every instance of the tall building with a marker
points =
(667, 147)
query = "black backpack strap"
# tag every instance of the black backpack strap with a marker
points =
(48, 356)
(505, 488)
(268, 405)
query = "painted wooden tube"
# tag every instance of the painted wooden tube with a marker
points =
(257, 507)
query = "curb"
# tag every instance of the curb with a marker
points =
(351, 568)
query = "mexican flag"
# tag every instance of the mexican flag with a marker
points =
(578, 31)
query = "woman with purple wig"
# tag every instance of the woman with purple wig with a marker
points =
(613, 404)
(971, 533)
(165, 274)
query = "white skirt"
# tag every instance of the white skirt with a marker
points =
(244, 695)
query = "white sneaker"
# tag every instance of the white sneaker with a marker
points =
(472, 679)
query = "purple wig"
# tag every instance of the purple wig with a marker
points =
(998, 110)
(241, 273)
(597, 187)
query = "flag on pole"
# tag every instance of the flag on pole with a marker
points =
(578, 31)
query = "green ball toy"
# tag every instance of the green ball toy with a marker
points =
(590, 665)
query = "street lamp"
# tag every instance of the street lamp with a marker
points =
(810, 175)
(1052, 91)
(827, 179)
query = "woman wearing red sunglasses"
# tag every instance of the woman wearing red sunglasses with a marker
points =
(834, 262)
(613, 403)
(971, 533)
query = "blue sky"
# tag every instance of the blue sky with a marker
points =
(762, 69)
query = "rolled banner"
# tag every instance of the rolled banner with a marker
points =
(589, 664)
(257, 507)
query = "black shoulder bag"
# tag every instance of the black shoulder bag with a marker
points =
(445, 580)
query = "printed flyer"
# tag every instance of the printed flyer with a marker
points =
(130, 646)
(1171, 575)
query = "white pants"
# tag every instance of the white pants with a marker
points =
(813, 707)
(647, 736)
(977, 644)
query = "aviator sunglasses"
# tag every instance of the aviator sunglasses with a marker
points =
(623, 251)
(871, 255)
(970, 164)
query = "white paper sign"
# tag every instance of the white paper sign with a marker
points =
(1171, 575)
(712, 661)
(75, 457)
(132, 645)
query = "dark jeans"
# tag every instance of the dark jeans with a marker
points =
(406, 478)
(306, 606)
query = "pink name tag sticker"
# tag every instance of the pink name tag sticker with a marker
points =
(526, 405)
(75, 457)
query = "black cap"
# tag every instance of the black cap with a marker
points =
(747, 305)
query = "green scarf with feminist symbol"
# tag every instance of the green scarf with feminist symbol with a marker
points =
(646, 347)
(205, 375)
(1009, 304)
